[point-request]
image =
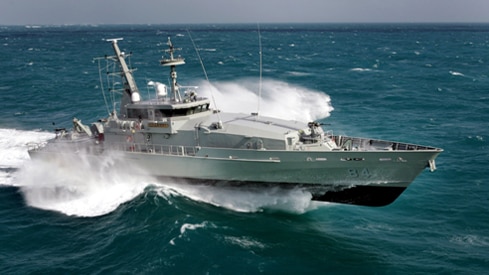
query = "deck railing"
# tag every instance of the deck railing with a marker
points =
(91, 147)
(363, 144)
(174, 150)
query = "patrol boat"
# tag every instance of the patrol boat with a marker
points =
(177, 136)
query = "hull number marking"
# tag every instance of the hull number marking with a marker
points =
(357, 173)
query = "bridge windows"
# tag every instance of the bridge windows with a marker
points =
(146, 113)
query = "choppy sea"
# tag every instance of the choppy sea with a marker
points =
(418, 83)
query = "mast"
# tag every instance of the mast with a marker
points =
(172, 62)
(131, 92)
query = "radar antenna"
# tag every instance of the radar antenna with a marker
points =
(173, 62)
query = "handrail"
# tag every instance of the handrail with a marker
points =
(175, 150)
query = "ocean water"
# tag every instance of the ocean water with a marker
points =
(417, 83)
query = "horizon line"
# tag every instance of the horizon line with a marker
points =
(254, 23)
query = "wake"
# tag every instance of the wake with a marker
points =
(13, 145)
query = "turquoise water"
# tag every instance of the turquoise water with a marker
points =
(425, 84)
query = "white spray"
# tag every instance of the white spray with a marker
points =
(73, 185)
(279, 99)
(78, 185)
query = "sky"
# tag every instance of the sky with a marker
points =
(60, 12)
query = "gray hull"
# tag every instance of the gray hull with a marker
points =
(373, 178)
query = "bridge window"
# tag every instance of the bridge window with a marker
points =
(137, 113)
(161, 113)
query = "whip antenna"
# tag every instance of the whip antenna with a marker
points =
(205, 73)
(102, 86)
(261, 68)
